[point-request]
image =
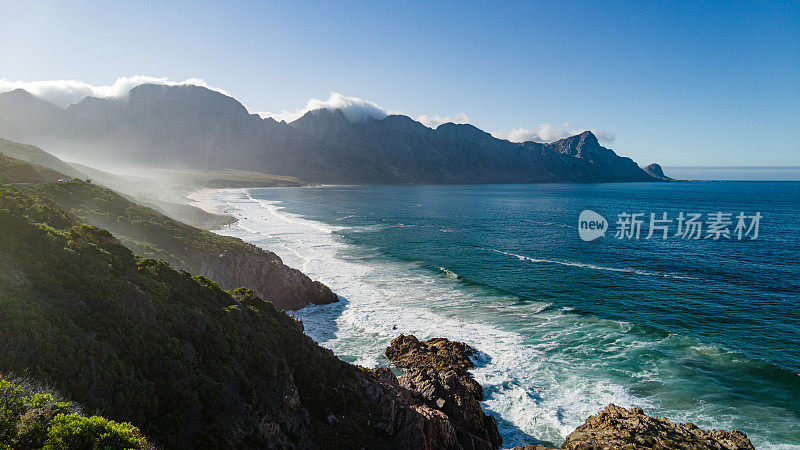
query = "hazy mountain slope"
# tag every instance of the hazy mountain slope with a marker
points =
(193, 127)
(35, 155)
(164, 195)
(228, 261)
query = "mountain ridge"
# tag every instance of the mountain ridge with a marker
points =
(192, 126)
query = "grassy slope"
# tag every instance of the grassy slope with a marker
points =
(13, 170)
(190, 364)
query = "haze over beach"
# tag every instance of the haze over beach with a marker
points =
(404, 225)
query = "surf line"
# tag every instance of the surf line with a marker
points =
(592, 266)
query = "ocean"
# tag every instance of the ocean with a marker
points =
(702, 330)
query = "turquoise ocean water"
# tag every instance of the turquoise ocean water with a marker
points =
(695, 330)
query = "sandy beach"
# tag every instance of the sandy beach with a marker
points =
(202, 199)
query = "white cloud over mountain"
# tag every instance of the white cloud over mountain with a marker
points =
(67, 92)
(354, 108)
(549, 133)
(435, 121)
(357, 110)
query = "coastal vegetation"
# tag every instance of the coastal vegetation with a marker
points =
(30, 419)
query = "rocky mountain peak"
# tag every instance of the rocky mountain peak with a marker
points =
(588, 138)
(581, 145)
(186, 98)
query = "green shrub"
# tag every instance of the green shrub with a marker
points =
(77, 432)
(12, 405)
(38, 421)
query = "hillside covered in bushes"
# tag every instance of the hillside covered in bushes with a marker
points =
(190, 364)
(227, 260)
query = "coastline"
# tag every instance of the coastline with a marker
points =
(202, 199)
(547, 403)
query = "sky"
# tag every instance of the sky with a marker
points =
(681, 84)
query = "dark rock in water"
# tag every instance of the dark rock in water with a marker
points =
(407, 352)
(437, 371)
(436, 374)
(656, 171)
(616, 427)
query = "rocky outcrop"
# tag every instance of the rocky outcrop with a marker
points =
(616, 427)
(404, 415)
(264, 273)
(656, 171)
(437, 370)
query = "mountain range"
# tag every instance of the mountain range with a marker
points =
(193, 127)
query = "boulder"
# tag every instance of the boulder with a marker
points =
(437, 370)
(617, 427)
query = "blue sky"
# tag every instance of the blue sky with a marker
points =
(680, 84)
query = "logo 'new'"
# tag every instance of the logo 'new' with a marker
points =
(591, 225)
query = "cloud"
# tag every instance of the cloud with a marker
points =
(549, 133)
(354, 108)
(604, 136)
(68, 92)
(435, 121)
(357, 110)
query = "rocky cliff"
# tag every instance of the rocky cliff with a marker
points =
(189, 364)
(191, 126)
(265, 273)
